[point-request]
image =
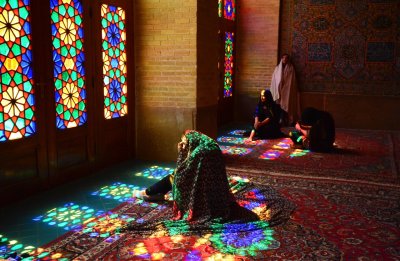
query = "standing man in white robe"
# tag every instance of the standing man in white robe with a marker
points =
(284, 90)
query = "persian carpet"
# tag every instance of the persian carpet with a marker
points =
(372, 157)
(338, 206)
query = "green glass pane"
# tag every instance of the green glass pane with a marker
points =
(65, 76)
(59, 108)
(110, 52)
(58, 84)
(107, 102)
(55, 17)
(116, 18)
(122, 46)
(82, 106)
(105, 45)
(13, 3)
(25, 41)
(109, 17)
(81, 82)
(18, 78)
(4, 50)
(72, 51)
(118, 73)
(61, 10)
(75, 114)
(112, 73)
(112, 107)
(79, 45)
(123, 99)
(74, 76)
(1, 117)
(122, 79)
(27, 86)
(6, 78)
(117, 52)
(121, 25)
(71, 11)
(23, 13)
(29, 113)
(56, 43)
(104, 23)
(119, 106)
(78, 20)
(8, 125)
(3, 3)
(16, 49)
(67, 115)
(64, 51)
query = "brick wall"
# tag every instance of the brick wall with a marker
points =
(165, 58)
(257, 52)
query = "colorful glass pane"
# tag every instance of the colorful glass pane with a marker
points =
(229, 9)
(228, 64)
(17, 100)
(68, 58)
(114, 61)
(219, 8)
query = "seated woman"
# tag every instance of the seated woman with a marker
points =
(266, 118)
(200, 188)
(315, 130)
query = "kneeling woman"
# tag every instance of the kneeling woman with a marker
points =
(266, 118)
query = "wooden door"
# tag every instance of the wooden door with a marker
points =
(113, 85)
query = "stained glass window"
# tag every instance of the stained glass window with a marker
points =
(229, 39)
(17, 101)
(220, 8)
(68, 58)
(229, 9)
(114, 61)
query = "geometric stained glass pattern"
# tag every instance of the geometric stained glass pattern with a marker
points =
(117, 191)
(17, 103)
(229, 9)
(219, 8)
(69, 59)
(114, 61)
(155, 172)
(70, 216)
(229, 39)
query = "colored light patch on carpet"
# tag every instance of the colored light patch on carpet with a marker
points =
(298, 153)
(271, 154)
(106, 225)
(237, 140)
(70, 216)
(246, 239)
(155, 172)
(12, 249)
(237, 132)
(283, 144)
(117, 191)
(234, 150)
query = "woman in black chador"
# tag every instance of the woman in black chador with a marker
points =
(266, 118)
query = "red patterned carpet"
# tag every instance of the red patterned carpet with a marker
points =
(346, 208)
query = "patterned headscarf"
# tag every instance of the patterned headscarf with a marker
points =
(200, 189)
